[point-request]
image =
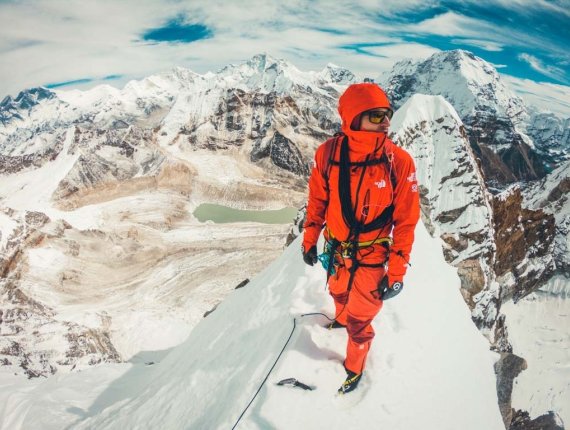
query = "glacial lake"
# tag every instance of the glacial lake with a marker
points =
(223, 214)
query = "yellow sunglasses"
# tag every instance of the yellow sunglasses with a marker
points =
(376, 116)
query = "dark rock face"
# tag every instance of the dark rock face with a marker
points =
(242, 284)
(514, 163)
(501, 343)
(297, 227)
(522, 234)
(283, 153)
(507, 369)
(472, 279)
(550, 421)
(230, 115)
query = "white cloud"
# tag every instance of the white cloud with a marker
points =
(496, 36)
(487, 45)
(398, 51)
(539, 66)
(449, 24)
(64, 40)
(545, 96)
(60, 40)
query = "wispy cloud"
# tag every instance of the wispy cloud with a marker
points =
(68, 40)
(487, 45)
(68, 83)
(449, 24)
(547, 97)
(539, 66)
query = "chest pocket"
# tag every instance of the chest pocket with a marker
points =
(350, 196)
(376, 191)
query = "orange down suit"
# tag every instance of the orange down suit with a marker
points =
(391, 183)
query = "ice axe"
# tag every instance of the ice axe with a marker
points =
(295, 383)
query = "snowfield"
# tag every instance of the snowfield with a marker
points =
(429, 366)
(536, 332)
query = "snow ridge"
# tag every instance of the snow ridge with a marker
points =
(207, 381)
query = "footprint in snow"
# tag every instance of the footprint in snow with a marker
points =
(390, 361)
(395, 322)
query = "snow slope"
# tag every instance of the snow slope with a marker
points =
(538, 330)
(429, 128)
(429, 367)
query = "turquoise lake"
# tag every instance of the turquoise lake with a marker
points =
(223, 214)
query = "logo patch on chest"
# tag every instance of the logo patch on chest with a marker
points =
(380, 184)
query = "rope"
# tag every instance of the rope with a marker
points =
(317, 313)
(267, 376)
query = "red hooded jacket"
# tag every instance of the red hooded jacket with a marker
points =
(376, 191)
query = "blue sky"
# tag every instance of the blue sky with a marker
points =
(78, 44)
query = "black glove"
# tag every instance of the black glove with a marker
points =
(388, 291)
(310, 257)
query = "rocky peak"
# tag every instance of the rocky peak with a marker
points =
(524, 240)
(263, 62)
(184, 75)
(11, 109)
(27, 98)
(263, 73)
(338, 75)
(466, 81)
(551, 135)
(452, 191)
(266, 74)
(494, 117)
(552, 197)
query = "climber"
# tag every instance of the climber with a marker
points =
(364, 193)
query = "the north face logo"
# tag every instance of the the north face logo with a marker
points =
(380, 184)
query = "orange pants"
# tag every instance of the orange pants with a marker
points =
(356, 309)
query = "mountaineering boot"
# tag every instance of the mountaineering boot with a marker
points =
(335, 324)
(351, 382)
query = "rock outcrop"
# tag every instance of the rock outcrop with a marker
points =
(34, 340)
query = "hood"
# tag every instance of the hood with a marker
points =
(356, 99)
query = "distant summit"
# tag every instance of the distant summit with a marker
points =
(494, 116)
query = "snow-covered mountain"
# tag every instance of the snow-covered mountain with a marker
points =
(118, 263)
(123, 170)
(265, 109)
(551, 195)
(499, 127)
(512, 143)
(455, 204)
(553, 133)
